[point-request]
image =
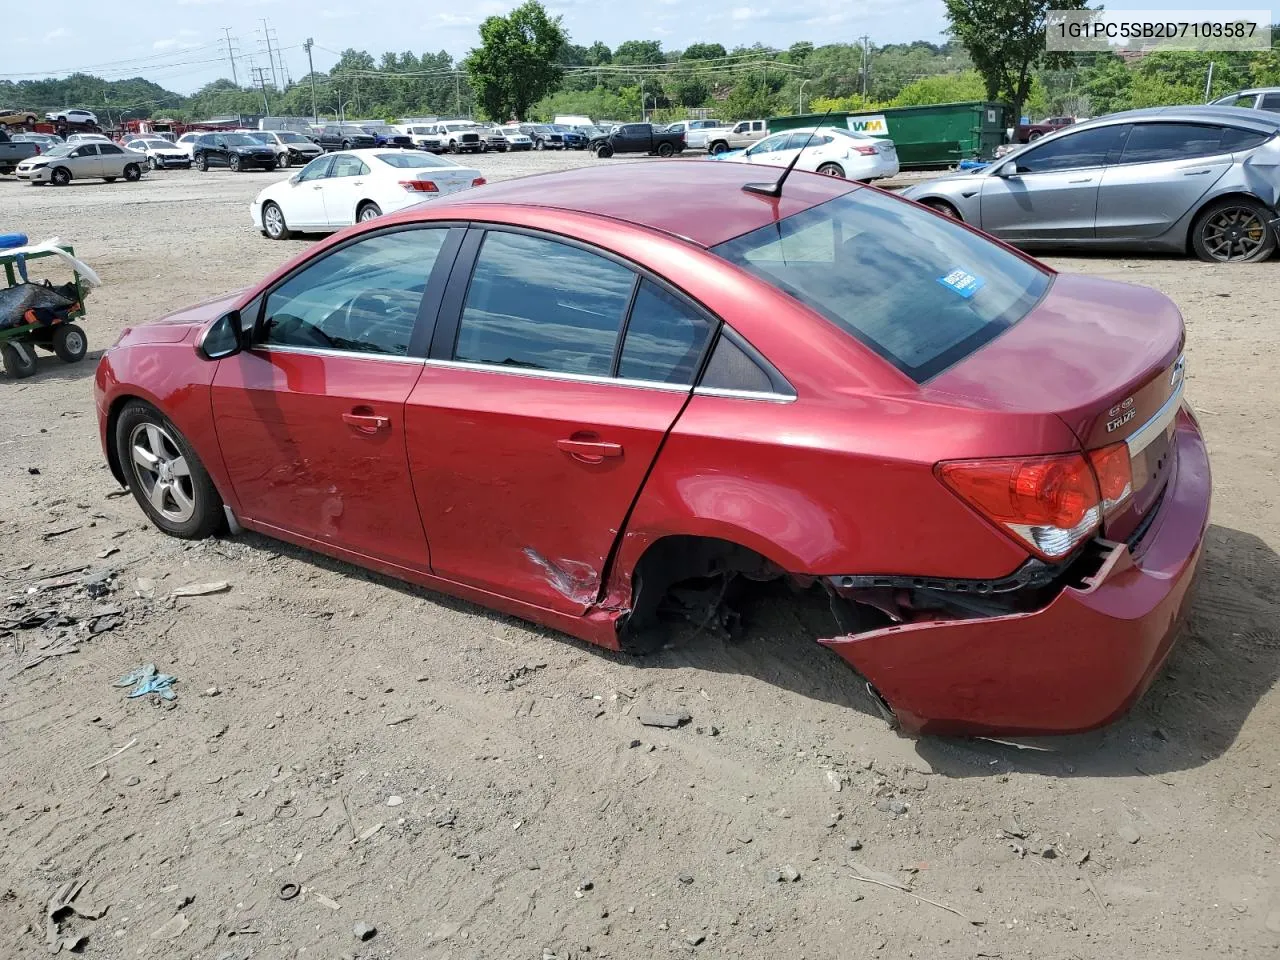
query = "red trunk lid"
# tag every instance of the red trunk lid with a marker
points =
(1105, 358)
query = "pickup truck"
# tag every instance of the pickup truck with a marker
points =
(1026, 132)
(13, 153)
(738, 137)
(638, 138)
(696, 132)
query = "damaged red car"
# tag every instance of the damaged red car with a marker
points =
(561, 396)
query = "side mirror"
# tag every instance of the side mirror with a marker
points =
(1007, 169)
(223, 338)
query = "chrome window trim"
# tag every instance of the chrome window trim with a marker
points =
(1146, 434)
(321, 352)
(743, 394)
(557, 375)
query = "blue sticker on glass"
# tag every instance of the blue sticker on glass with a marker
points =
(962, 282)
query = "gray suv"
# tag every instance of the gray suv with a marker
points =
(1181, 179)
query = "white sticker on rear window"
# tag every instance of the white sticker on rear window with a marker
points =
(962, 282)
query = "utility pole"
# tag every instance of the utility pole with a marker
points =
(271, 59)
(311, 70)
(457, 93)
(231, 56)
(262, 83)
(866, 60)
(1208, 83)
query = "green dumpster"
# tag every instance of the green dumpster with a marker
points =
(936, 135)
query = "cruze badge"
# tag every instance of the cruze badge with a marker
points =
(1121, 414)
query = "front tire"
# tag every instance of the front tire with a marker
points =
(284, 161)
(132, 172)
(202, 163)
(151, 163)
(69, 343)
(604, 151)
(831, 170)
(718, 148)
(18, 360)
(273, 222)
(60, 177)
(942, 207)
(234, 163)
(165, 476)
(1233, 231)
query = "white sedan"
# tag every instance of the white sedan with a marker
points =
(832, 151)
(160, 153)
(340, 189)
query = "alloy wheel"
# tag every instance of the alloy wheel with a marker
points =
(162, 472)
(273, 219)
(1234, 233)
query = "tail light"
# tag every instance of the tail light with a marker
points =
(420, 186)
(479, 182)
(866, 151)
(1049, 504)
(1115, 475)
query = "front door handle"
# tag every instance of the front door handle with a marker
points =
(364, 420)
(1194, 173)
(590, 451)
(1085, 180)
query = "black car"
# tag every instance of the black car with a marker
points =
(345, 136)
(572, 139)
(543, 135)
(239, 151)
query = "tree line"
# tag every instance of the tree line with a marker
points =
(526, 66)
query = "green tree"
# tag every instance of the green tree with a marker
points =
(638, 52)
(703, 51)
(516, 64)
(945, 88)
(1006, 40)
(598, 53)
(750, 99)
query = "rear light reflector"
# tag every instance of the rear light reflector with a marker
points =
(479, 182)
(1115, 475)
(420, 186)
(1049, 504)
(867, 151)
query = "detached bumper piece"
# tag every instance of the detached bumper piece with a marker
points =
(1075, 664)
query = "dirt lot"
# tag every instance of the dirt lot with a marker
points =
(485, 766)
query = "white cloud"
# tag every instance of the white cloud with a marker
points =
(57, 34)
(455, 20)
(172, 43)
(747, 13)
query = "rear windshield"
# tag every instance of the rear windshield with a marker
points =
(921, 291)
(406, 161)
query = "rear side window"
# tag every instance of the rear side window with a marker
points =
(1074, 151)
(1156, 142)
(665, 338)
(731, 368)
(1271, 102)
(543, 305)
(1234, 139)
(109, 148)
(921, 291)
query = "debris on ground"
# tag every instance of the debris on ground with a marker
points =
(652, 718)
(172, 929)
(1128, 833)
(148, 681)
(202, 589)
(363, 931)
(62, 906)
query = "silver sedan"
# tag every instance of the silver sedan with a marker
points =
(1180, 179)
(79, 161)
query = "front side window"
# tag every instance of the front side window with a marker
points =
(919, 290)
(317, 169)
(665, 337)
(363, 297)
(771, 144)
(88, 150)
(543, 305)
(1074, 151)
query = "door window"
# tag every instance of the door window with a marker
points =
(1233, 138)
(665, 337)
(1270, 101)
(1074, 151)
(797, 141)
(544, 305)
(1157, 142)
(771, 144)
(88, 150)
(363, 297)
(345, 165)
(109, 148)
(317, 169)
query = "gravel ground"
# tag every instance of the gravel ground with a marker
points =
(466, 783)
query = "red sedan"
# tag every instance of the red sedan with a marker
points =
(561, 396)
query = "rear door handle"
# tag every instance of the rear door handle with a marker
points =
(1194, 173)
(364, 420)
(590, 451)
(1084, 180)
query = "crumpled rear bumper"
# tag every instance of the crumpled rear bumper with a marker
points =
(1078, 663)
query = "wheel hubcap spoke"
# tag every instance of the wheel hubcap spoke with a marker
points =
(163, 472)
(145, 458)
(179, 467)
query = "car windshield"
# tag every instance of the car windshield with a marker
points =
(920, 290)
(406, 159)
(291, 138)
(421, 131)
(59, 151)
(542, 130)
(155, 144)
(241, 140)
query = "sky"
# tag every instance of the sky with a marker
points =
(181, 44)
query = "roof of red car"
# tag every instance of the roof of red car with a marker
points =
(701, 200)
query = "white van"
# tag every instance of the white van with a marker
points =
(570, 120)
